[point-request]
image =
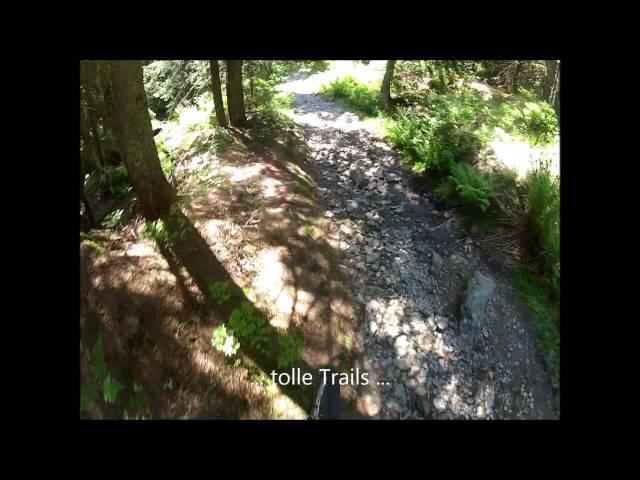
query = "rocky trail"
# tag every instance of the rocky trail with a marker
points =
(442, 333)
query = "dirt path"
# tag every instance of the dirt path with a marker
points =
(409, 266)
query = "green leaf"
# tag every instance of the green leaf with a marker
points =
(97, 364)
(111, 387)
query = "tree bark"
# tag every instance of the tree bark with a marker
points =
(551, 66)
(85, 201)
(554, 95)
(216, 89)
(135, 139)
(253, 99)
(98, 145)
(516, 74)
(235, 95)
(88, 146)
(111, 152)
(385, 89)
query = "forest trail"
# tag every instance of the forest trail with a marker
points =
(323, 228)
(409, 266)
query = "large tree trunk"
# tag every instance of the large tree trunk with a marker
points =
(216, 89)
(385, 89)
(135, 139)
(235, 96)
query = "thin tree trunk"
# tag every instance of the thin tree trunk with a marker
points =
(135, 139)
(98, 146)
(216, 89)
(554, 95)
(385, 89)
(107, 113)
(250, 69)
(551, 66)
(85, 201)
(516, 74)
(235, 95)
(88, 146)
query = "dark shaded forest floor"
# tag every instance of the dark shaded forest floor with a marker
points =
(253, 208)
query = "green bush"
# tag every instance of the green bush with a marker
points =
(112, 219)
(363, 99)
(156, 230)
(319, 66)
(468, 186)
(442, 131)
(541, 122)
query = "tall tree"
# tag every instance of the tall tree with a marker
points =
(135, 138)
(106, 113)
(516, 75)
(235, 95)
(217, 93)
(551, 81)
(385, 89)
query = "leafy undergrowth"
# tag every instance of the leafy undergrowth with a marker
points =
(104, 390)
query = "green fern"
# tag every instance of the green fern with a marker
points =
(290, 347)
(247, 323)
(220, 292)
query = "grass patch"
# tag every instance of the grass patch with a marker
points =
(304, 187)
(533, 292)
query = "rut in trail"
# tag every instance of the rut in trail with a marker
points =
(409, 265)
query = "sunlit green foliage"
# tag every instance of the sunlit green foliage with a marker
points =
(224, 341)
(166, 161)
(168, 83)
(543, 194)
(112, 219)
(468, 186)
(362, 99)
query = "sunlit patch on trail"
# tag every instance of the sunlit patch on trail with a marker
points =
(243, 172)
